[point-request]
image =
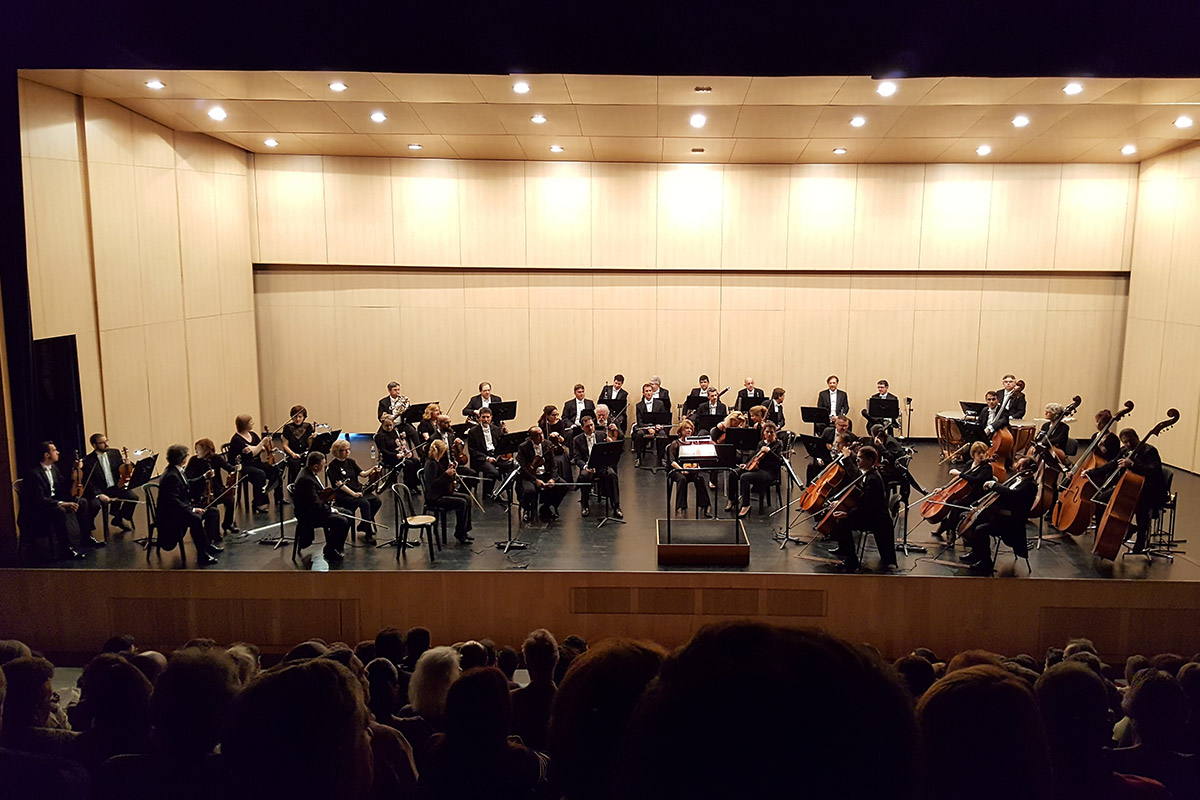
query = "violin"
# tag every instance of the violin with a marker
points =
(1074, 510)
(126, 469)
(77, 481)
(270, 448)
(1115, 523)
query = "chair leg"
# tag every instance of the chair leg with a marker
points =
(431, 530)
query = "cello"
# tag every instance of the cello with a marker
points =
(981, 507)
(846, 501)
(1051, 462)
(938, 505)
(1074, 510)
(825, 484)
(1122, 505)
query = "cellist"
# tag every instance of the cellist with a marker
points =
(871, 515)
(1007, 519)
(976, 475)
(1140, 459)
(1109, 447)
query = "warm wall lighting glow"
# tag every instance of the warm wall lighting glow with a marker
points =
(271, 142)
(337, 86)
(538, 119)
(155, 83)
(1020, 121)
(886, 89)
(698, 120)
(858, 122)
(1183, 121)
(414, 146)
(839, 151)
(217, 113)
(379, 116)
(521, 87)
(983, 149)
(556, 148)
(1072, 88)
(1128, 150)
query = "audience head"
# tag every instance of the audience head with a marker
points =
(383, 678)
(389, 644)
(1027, 661)
(1074, 706)
(1169, 663)
(591, 712)
(489, 647)
(478, 710)
(203, 643)
(11, 649)
(1054, 655)
(1079, 645)
(576, 643)
(150, 663)
(1134, 665)
(541, 655)
(857, 705)
(190, 700)
(927, 654)
(122, 643)
(365, 650)
(245, 658)
(305, 651)
(472, 654)
(1089, 660)
(972, 658)
(115, 693)
(917, 674)
(436, 670)
(507, 661)
(416, 642)
(29, 698)
(1158, 707)
(314, 712)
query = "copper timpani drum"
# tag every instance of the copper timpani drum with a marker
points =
(1024, 432)
(949, 432)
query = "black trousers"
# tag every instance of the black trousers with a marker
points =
(884, 543)
(759, 479)
(549, 495)
(200, 527)
(119, 511)
(460, 504)
(641, 442)
(607, 482)
(698, 479)
(366, 508)
(492, 474)
(1011, 532)
(61, 523)
(260, 475)
(336, 529)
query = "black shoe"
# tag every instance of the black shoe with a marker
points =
(74, 554)
(231, 529)
(981, 568)
(527, 516)
(263, 509)
(216, 547)
(92, 541)
(620, 514)
(206, 560)
(970, 558)
(465, 539)
(846, 567)
(553, 512)
(705, 513)
(584, 511)
(281, 502)
(333, 555)
(369, 538)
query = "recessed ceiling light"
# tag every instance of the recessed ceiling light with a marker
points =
(217, 113)
(556, 148)
(521, 87)
(839, 151)
(1020, 121)
(1128, 150)
(1072, 88)
(886, 89)
(155, 83)
(337, 86)
(697, 149)
(703, 90)
(858, 122)
(379, 116)
(538, 119)
(698, 120)
(414, 146)
(1183, 121)
(271, 142)
(983, 149)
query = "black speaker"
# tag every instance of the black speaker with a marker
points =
(57, 403)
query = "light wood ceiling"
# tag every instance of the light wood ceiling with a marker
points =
(646, 118)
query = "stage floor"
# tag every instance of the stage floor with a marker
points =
(572, 543)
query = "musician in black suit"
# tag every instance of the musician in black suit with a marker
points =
(1006, 519)
(313, 513)
(539, 477)
(1012, 399)
(614, 392)
(1109, 446)
(870, 515)
(660, 393)
(835, 402)
(1140, 459)
(482, 400)
(644, 431)
(46, 501)
(482, 441)
(442, 493)
(354, 494)
(581, 451)
(102, 470)
(397, 451)
(702, 389)
(176, 515)
(765, 472)
(393, 404)
(775, 408)
(578, 407)
(750, 391)
(995, 417)
(713, 406)
(204, 473)
(882, 392)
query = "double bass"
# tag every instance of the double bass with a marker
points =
(1051, 463)
(1074, 509)
(1003, 441)
(1123, 502)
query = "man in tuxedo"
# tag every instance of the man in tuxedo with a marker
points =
(616, 397)
(391, 403)
(102, 471)
(46, 501)
(578, 407)
(581, 451)
(996, 416)
(702, 389)
(833, 400)
(660, 393)
(482, 441)
(713, 406)
(539, 477)
(177, 515)
(311, 513)
(482, 400)
(644, 431)
(775, 408)
(748, 392)
(1011, 400)
(882, 392)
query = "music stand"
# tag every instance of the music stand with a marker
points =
(743, 439)
(706, 422)
(745, 402)
(885, 409)
(143, 471)
(972, 408)
(605, 455)
(509, 443)
(412, 415)
(616, 411)
(815, 416)
(651, 418)
(694, 401)
(460, 430)
(783, 537)
(323, 442)
(502, 412)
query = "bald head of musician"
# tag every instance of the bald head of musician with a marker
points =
(443, 422)
(535, 435)
(749, 384)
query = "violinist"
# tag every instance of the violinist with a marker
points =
(397, 451)
(441, 490)
(46, 501)
(996, 417)
(206, 485)
(979, 473)
(603, 419)
(102, 471)
(893, 462)
(296, 436)
(482, 442)
(558, 437)
(247, 447)
(871, 514)
(575, 409)
(312, 512)
(581, 452)
(482, 400)
(427, 427)
(762, 470)
(394, 404)
(758, 415)
(539, 477)
(1110, 446)
(344, 472)
(775, 408)
(178, 514)
(835, 402)
(1141, 459)
(645, 432)
(1012, 399)
(456, 447)
(1005, 520)
(882, 392)
(616, 397)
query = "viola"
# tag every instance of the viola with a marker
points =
(270, 448)
(126, 469)
(1118, 517)
(1074, 509)
(77, 481)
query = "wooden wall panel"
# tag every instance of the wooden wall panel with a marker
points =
(561, 361)
(1092, 230)
(115, 246)
(153, 144)
(235, 273)
(291, 209)
(887, 216)
(108, 129)
(754, 232)
(425, 211)
(126, 384)
(624, 215)
(91, 387)
(198, 242)
(491, 204)
(361, 231)
(1178, 387)
(558, 214)
(821, 216)
(64, 256)
(168, 385)
(32, 258)
(1024, 216)
(689, 216)
(50, 122)
(1141, 368)
(955, 215)
(1153, 235)
(361, 374)
(1184, 280)
(206, 379)
(240, 389)
(158, 244)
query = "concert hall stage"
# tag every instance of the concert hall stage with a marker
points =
(577, 578)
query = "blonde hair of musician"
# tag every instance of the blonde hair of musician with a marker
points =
(758, 413)
(736, 419)
(686, 424)
(339, 446)
(437, 449)
(432, 411)
(978, 449)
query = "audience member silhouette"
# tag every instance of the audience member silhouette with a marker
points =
(531, 704)
(115, 704)
(1158, 708)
